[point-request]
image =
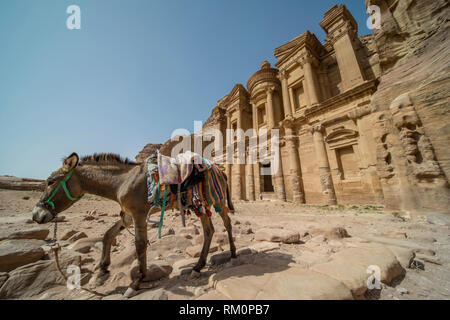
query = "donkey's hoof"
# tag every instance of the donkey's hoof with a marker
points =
(235, 261)
(195, 274)
(130, 293)
(99, 278)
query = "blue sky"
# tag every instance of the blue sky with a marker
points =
(137, 69)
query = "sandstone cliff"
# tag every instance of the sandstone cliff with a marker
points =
(147, 151)
(411, 105)
(13, 183)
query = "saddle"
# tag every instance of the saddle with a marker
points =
(184, 169)
(194, 182)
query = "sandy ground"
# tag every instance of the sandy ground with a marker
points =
(431, 283)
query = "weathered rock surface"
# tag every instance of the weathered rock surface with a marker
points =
(84, 245)
(173, 241)
(331, 233)
(410, 107)
(375, 256)
(38, 233)
(267, 282)
(439, 219)
(14, 183)
(195, 251)
(158, 294)
(265, 246)
(68, 234)
(277, 235)
(34, 278)
(148, 150)
(155, 271)
(184, 266)
(417, 248)
(16, 253)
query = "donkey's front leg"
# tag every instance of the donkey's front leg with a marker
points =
(140, 227)
(108, 239)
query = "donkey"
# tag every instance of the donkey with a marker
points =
(123, 181)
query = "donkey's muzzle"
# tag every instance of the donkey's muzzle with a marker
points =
(41, 215)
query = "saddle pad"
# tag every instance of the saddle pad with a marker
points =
(169, 171)
(177, 170)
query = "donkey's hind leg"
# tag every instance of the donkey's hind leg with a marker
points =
(227, 223)
(208, 232)
(108, 239)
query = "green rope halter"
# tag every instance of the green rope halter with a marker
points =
(66, 191)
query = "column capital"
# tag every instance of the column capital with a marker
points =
(316, 128)
(359, 112)
(270, 90)
(308, 57)
(283, 74)
(288, 122)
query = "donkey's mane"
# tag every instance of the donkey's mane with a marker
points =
(106, 159)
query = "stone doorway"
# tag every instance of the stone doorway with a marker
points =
(267, 181)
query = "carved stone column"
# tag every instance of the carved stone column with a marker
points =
(295, 170)
(228, 165)
(257, 180)
(305, 89)
(291, 97)
(270, 111)
(288, 110)
(278, 178)
(249, 178)
(254, 116)
(310, 77)
(324, 165)
(237, 180)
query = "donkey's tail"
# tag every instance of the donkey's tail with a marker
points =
(229, 202)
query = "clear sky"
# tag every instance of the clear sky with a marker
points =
(137, 69)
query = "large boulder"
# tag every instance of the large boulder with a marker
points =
(277, 235)
(16, 253)
(38, 233)
(157, 294)
(184, 266)
(195, 251)
(269, 282)
(84, 245)
(155, 271)
(35, 278)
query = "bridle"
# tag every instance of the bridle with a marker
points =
(49, 204)
(56, 247)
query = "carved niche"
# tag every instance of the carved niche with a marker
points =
(419, 152)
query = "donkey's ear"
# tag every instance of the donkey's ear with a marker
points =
(70, 162)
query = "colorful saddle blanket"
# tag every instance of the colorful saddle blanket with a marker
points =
(208, 191)
(177, 170)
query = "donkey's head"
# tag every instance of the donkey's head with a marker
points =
(62, 190)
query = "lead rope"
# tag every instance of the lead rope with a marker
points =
(55, 248)
(180, 206)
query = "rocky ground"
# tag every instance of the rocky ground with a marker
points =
(285, 251)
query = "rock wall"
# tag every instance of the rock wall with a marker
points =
(13, 183)
(411, 105)
(147, 151)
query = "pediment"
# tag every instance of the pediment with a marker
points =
(306, 39)
(340, 135)
(238, 91)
